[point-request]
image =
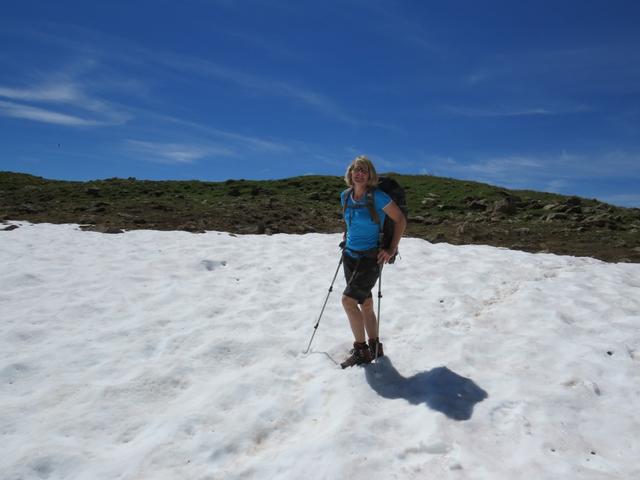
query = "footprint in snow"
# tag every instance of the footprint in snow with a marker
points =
(211, 265)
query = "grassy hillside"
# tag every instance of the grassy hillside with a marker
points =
(441, 209)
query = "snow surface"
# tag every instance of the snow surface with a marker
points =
(170, 355)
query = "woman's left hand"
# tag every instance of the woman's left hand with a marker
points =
(384, 255)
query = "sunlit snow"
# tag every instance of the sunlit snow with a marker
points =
(170, 355)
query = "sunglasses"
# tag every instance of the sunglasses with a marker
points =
(360, 170)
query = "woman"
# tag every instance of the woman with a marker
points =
(362, 257)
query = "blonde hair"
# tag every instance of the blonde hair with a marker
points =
(362, 161)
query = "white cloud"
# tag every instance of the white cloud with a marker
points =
(165, 64)
(48, 93)
(557, 185)
(245, 141)
(26, 112)
(175, 153)
(87, 110)
(504, 166)
(511, 171)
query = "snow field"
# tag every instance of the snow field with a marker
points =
(163, 355)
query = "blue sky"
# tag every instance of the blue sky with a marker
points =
(535, 95)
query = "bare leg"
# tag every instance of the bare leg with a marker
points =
(370, 323)
(356, 318)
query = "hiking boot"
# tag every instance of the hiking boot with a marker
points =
(372, 348)
(359, 355)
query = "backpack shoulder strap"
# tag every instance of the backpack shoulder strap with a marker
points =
(345, 195)
(371, 205)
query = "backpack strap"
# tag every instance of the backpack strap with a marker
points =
(346, 193)
(372, 212)
(371, 206)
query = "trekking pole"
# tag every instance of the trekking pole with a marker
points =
(378, 318)
(315, 328)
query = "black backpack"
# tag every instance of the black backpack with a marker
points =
(392, 188)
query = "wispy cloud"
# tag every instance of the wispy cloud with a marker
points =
(562, 172)
(511, 111)
(26, 112)
(48, 93)
(255, 83)
(617, 163)
(175, 153)
(556, 185)
(125, 52)
(608, 68)
(418, 40)
(510, 171)
(477, 77)
(256, 144)
(64, 99)
(391, 22)
(272, 48)
(629, 200)
(86, 110)
(504, 166)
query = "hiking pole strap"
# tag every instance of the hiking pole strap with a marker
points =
(315, 327)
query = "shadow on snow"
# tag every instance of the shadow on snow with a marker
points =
(440, 388)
